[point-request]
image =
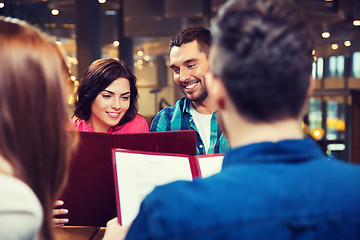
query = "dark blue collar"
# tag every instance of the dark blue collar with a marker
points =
(294, 150)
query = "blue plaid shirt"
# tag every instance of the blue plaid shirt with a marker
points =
(178, 117)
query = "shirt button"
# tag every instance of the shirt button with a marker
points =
(200, 146)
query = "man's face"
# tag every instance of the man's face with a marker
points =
(190, 66)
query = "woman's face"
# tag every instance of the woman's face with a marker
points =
(110, 105)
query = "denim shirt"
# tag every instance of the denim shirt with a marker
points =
(283, 190)
(178, 117)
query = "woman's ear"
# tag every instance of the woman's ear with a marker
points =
(216, 90)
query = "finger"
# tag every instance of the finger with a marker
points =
(60, 212)
(58, 222)
(112, 222)
(59, 203)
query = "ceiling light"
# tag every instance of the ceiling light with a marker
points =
(334, 46)
(116, 43)
(55, 12)
(102, 1)
(2, 5)
(347, 43)
(325, 34)
(356, 23)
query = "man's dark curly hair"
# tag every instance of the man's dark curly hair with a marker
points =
(200, 34)
(263, 54)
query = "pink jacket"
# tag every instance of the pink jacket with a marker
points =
(137, 125)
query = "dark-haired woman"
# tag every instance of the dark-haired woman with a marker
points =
(107, 100)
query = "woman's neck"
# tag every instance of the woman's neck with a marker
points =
(5, 167)
(97, 128)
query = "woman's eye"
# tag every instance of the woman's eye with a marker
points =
(125, 98)
(191, 65)
(106, 96)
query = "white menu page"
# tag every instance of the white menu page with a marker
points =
(139, 173)
(210, 165)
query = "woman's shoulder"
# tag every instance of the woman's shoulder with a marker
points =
(81, 125)
(139, 120)
(20, 210)
(137, 125)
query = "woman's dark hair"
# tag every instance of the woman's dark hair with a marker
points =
(98, 76)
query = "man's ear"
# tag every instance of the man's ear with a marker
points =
(216, 90)
(311, 88)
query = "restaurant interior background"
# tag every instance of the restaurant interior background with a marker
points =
(138, 31)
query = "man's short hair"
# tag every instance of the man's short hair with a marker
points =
(263, 54)
(200, 34)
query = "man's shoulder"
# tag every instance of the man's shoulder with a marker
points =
(177, 108)
(173, 205)
(169, 117)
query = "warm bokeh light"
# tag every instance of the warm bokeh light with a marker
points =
(140, 53)
(325, 34)
(347, 43)
(116, 43)
(102, 1)
(313, 52)
(336, 123)
(317, 133)
(2, 5)
(55, 12)
(356, 22)
(147, 58)
(334, 46)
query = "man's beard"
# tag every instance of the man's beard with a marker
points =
(202, 95)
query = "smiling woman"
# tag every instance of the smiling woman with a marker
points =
(106, 100)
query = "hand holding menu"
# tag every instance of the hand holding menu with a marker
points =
(136, 174)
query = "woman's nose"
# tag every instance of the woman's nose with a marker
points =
(116, 104)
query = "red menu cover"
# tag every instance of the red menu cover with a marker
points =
(182, 142)
(90, 193)
(136, 173)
